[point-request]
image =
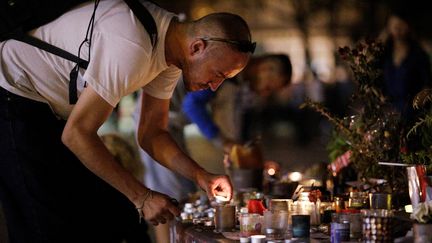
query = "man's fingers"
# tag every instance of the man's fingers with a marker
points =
(224, 188)
(211, 194)
(154, 222)
(168, 215)
(161, 220)
(174, 210)
(174, 201)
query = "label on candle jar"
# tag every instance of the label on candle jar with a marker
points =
(300, 226)
(250, 224)
(339, 232)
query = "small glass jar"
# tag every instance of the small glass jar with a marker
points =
(256, 206)
(250, 224)
(377, 225)
(356, 200)
(225, 217)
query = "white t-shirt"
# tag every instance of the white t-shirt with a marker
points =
(122, 58)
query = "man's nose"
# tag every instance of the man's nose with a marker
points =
(214, 85)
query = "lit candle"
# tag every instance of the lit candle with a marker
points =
(221, 198)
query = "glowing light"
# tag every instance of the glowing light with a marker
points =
(221, 198)
(271, 171)
(295, 176)
(409, 208)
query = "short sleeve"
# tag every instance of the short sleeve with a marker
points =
(116, 66)
(162, 87)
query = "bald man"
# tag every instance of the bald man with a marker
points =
(58, 181)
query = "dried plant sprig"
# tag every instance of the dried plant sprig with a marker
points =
(422, 98)
(319, 107)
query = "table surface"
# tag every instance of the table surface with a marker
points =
(190, 233)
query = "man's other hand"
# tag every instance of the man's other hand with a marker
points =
(159, 209)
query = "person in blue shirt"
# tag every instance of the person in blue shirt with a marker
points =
(195, 107)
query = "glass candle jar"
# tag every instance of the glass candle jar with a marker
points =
(377, 225)
(256, 206)
(357, 200)
(250, 224)
(225, 218)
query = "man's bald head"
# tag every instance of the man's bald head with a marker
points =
(210, 49)
(223, 25)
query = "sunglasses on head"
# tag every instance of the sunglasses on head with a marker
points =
(241, 45)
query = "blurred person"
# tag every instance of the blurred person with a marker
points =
(305, 121)
(407, 71)
(338, 93)
(314, 89)
(311, 122)
(406, 65)
(196, 108)
(43, 134)
(225, 117)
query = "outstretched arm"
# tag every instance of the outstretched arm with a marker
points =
(80, 136)
(154, 138)
(195, 107)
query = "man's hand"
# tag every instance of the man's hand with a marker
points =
(155, 139)
(215, 185)
(227, 145)
(159, 208)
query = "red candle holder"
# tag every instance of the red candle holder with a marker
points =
(256, 206)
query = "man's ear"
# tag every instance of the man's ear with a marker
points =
(197, 47)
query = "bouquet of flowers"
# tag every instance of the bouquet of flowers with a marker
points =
(373, 133)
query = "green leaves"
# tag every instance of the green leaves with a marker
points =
(421, 131)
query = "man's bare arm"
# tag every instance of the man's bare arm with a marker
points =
(80, 136)
(155, 140)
